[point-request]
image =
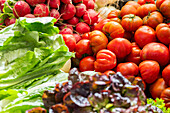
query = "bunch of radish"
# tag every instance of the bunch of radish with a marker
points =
(73, 16)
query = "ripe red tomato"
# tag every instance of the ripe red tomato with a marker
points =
(131, 22)
(149, 70)
(100, 25)
(108, 72)
(134, 3)
(128, 9)
(145, 9)
(98, 40)
(144, 35)
(153, 19)
(142, 2)
(114, 16)
(166, 74)
(157, 87)
(113, 30)
(87, 64)
(165, 95)
(105, 60)
(163, 33)
(155, 51)
(134, 56)
(85, 35)
(120, 46)
(158, 3)
(82, 48)
(128, 68)
(70, 41)
(165, 8)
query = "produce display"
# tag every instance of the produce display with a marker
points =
(118, 52)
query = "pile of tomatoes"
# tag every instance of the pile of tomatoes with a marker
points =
(134, 41)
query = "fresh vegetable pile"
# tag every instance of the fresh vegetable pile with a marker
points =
(31, 56)
(95, 93)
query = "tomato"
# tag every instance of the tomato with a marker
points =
(144, 35)
(85, 35)
(100, 25)
(82, 48)
(128, 9)
(128, 35)
(166, 74)
(165, 95)
(113, 30)
(114, 15)
(149, 70)
(108, 72)
(155, 51)
(142, 2)
(87, 64)
(70, 41)
(120, 46)
(98, 40)
(157, 87)
(163, 33)
(158, 3)
(134, 56)
(131, 22)
(153, 19)
(145, 9)
(105, 60)
(165, 8)
(133, 3)
(128, 68)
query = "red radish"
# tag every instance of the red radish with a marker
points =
(85, 2)
(41, 10)
(54, 13)
(54, 3)
(77, 1)
(66, 31)
(66, 26)
(77, 37)
(90, 16)
(21, 8)
(67, 1)
(9, 21)
(80, 9)
(68, 11)
(35, 2)
(29, 16)
(2, 4)
(90, 4)
(73, 21)
(82, 28)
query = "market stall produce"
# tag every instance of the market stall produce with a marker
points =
(119, 56)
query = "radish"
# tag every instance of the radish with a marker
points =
(68, 11)
(90, 16)
(90, 4)
(21, 8)
(77, 1)
(82, 28)
(77, 37)
(29, 16)
(80, 9)
(54, 13)
(66, 31)
(67, 1)
(65, 26)
(54, 3)
(35, 2)
(41, 10)
(9, 21)
(2, 4)
(73, 21)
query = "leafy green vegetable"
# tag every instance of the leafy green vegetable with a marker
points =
(158, 103)
(31, 55)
